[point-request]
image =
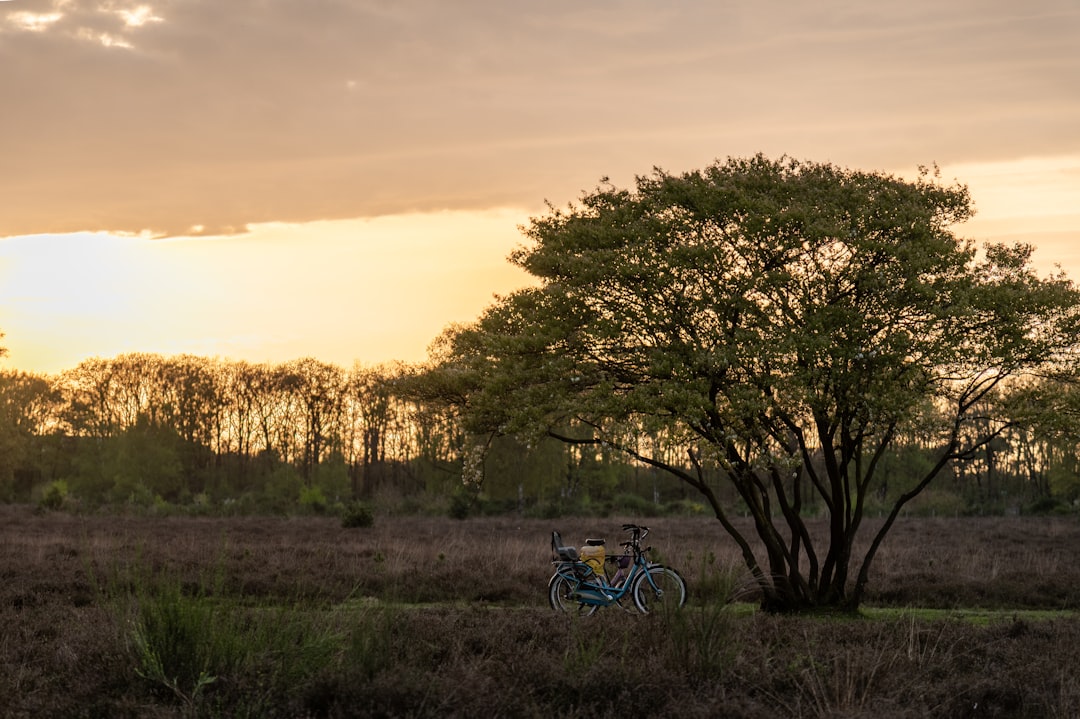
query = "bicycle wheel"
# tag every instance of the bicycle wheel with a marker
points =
(561, 597)
(670, 591)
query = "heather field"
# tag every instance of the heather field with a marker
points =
(104, 616)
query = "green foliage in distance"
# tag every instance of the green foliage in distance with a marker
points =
(765, 326)
(357, 515)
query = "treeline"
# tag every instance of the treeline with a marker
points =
(213, 435)
(146, 430)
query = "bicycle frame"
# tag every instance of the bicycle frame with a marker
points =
(603, 595)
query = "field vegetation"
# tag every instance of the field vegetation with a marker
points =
(150, 616)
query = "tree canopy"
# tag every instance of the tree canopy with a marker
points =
(765, 325)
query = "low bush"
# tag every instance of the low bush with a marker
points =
(54, 496)
(357, 515)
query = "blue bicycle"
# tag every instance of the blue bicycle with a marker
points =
(581, 583)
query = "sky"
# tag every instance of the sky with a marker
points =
(342, 179)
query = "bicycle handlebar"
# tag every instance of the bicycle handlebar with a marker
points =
(637, 533)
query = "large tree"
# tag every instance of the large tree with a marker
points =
(780, 322)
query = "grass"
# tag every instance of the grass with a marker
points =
(130, 617)
(977, 617)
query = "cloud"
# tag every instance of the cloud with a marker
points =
(163, 115)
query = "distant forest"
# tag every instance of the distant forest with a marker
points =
(187, 434)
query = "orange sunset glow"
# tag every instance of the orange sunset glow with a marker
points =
(342, 180)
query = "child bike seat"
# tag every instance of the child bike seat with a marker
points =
(562, 553)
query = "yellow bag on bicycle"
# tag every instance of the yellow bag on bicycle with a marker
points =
(593, 554)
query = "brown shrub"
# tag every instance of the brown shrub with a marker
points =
(435, 617)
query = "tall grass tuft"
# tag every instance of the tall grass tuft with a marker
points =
(714, 581)
(701, 639)
(192, 642)
(372, 645)
(183, 643)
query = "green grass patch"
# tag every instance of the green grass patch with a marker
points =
(973, 616)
